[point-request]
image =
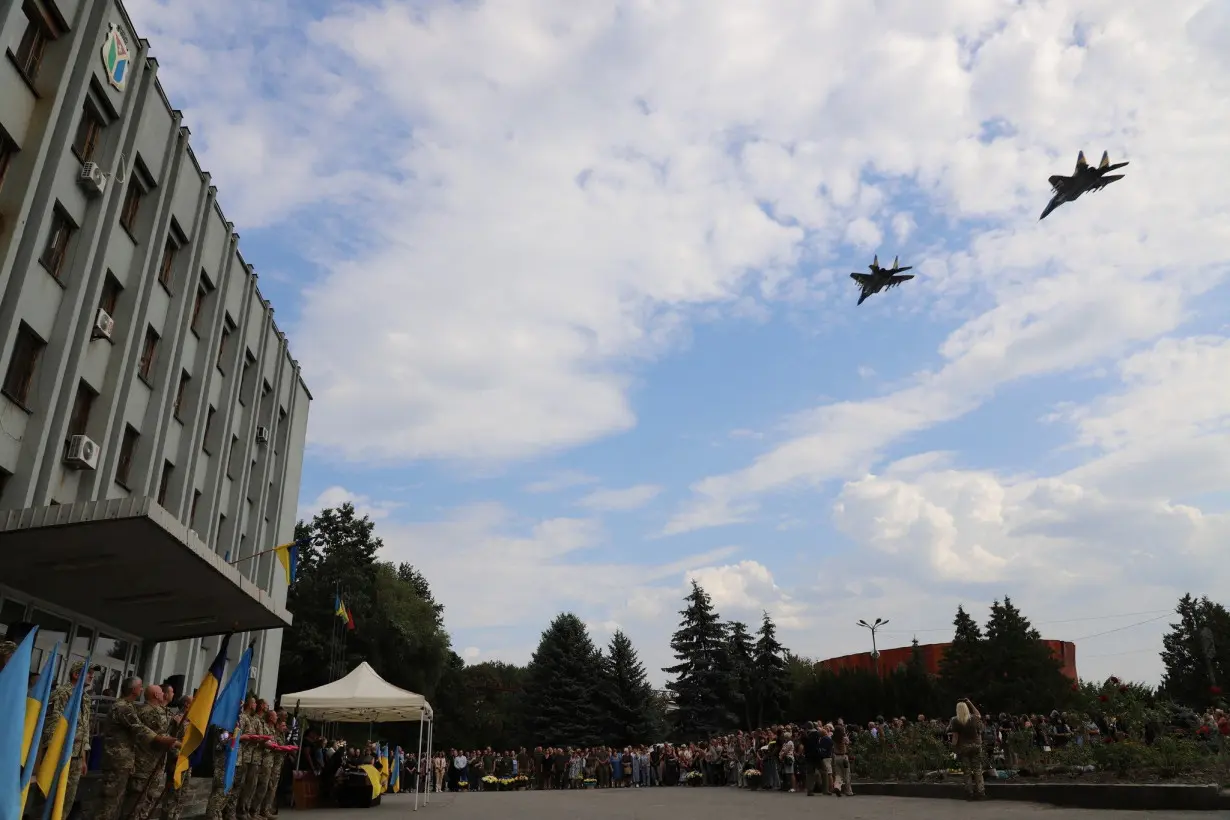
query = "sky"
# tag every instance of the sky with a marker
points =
(569, 283)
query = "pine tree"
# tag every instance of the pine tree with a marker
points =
(961, 668)
(770, 674)
(1186, 679)
(627, 699)
(561, 686)
(1022, 674)
(740, 655)
(701, 688)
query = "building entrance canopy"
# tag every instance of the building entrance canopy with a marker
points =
(130, 564)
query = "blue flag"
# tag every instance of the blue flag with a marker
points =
(14, 683)
(54, 807)
(42, 694)
(227, 707)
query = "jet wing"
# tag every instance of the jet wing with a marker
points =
(1058, 182)
(894, 281)
(899, 270)
(861, 278)
(1104, 181)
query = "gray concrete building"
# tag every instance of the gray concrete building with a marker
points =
(152, 418)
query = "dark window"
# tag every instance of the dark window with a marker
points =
(132, 206)
(109, 301)
(165, 483)
(27, 348)
(227, 329)
(230, 457)
(184, 378)
(196, 501)
(221, 524)
(245, 379)
(149, 354)
(29, 56)
(209, 423)
(198, 305)
(5, 475)
(167, 266)
(55, 252)
(128, 448)
(89, 129)
(79, 422)
(7, 151)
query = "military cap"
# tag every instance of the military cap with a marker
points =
(7, 648)
(77, 666)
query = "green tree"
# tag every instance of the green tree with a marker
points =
(962, 672)
(631, 709)
(1022, 673)
(701, 685)
(561, 686)
(1188, 667)
(770, 675)
(740, 656)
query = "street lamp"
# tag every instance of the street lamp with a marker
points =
(875, 653)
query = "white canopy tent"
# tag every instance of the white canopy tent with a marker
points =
(365, 697)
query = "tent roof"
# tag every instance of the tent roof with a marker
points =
(360, 697)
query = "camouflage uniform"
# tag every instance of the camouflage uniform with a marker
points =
(81, 740)
(173, 801)
(221, 802)
(149, 777)
(254, 802)
(269, 805)
(250, 757)
(123, 736)
(7, 648)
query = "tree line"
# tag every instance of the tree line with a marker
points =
(725, 676)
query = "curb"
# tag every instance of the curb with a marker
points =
(1120, 796)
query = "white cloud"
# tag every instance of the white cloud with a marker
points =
(629, 498)
(565, 480)
(337, 496)
(471, 654)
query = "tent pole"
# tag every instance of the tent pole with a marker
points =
(431, 728)
(418, 757)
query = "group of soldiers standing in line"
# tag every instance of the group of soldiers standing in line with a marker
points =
(258, 767)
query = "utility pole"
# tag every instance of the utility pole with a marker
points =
(875, 652)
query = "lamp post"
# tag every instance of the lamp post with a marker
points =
(875, 653)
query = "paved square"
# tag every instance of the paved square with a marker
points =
(682, 802)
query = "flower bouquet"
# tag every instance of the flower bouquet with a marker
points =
(520, 782)
(752, 776)
(591, 783)
(695, 778)
(506, 784)
(463, 785)
(491, 783)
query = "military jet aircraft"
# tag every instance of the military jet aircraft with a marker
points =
(1084, 179)
(880, 278)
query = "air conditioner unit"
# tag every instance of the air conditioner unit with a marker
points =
(262, 435)
(82, 453)
(103, 325)
(92, 179)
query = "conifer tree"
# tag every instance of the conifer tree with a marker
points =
(961, 668)
(629, 703)
(561, 686)
(740, 655)
(1021, 672)
(770, 674)
(701, 685)
(1186, 656)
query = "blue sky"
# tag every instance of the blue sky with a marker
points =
(570, 287)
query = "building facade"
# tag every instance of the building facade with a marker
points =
(152, 418)
(932, 654)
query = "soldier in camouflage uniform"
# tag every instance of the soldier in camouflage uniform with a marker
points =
(263, 760)
(173, 802)
(123, 735)
(252, 724)
(7, 648)
(81, 740)
(221, 802)
(269, 806)
(149, 773)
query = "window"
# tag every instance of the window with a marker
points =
(128, 448)
(184, 378)
(227, 329)
(196, 501)
(202, 292)
(55, 252)
(132, 206)
(230, 457)
(164, 483)
(149, 354)
(79, 422)
(29, 56)
(221, 524)
(27, 348)
(209, 423)
(5, 475)
(7, 151)
(89, 129)
(168, 262)
(245, 378)
(109, 301)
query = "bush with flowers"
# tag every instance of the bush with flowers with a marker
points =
(694, 778)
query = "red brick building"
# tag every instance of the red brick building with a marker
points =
(932, 653)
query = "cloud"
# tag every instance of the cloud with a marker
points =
(336, 496)
(560, 481)
(629, 498)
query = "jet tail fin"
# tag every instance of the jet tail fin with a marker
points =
(896, 263)
(875, 261)
(1105, 163)
(1081, 163)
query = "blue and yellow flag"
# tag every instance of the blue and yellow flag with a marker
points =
(14, 683)
(288, 557)
(395, 772)
(226, 712)
(200, 711)
(54, 809)
(36, 716)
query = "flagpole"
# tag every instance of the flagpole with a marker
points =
(262, 552)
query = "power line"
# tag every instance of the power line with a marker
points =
(1117, 654)
(1165, 612)
(1120, 629)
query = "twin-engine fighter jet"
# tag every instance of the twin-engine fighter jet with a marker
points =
(1084, 179)
(880, 278)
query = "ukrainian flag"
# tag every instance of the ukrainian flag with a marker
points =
(36, 716)
(54, 809)
(14, 684)
(339, 609)
(200, 711)
(288, 557)
(395, 774)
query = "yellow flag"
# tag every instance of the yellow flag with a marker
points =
(45, 774)
(373, 776)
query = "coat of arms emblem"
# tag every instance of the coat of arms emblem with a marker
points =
(115, 57)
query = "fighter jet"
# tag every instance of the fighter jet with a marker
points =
(1084, 179)
(880, 278)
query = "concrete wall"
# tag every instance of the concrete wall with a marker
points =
(236, 359)
(932, 654)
